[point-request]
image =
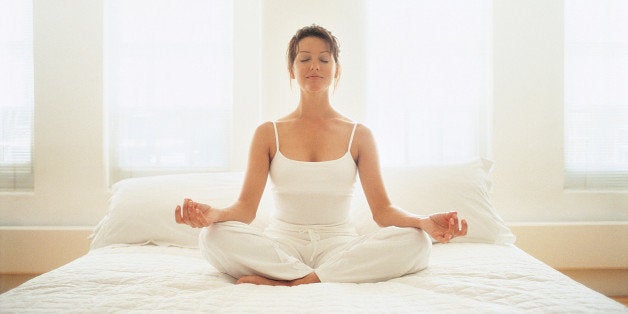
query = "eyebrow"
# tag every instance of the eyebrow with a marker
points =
(327, 51)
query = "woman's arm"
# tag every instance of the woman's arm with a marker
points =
(245, 208)
(442, 226)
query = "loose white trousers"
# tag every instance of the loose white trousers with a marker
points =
(335, 253)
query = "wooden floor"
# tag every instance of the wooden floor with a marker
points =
(622, 299)
(8, 282)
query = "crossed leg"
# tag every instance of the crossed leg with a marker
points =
(247, 254)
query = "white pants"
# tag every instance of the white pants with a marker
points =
(335, 253)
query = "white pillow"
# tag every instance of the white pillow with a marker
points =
(141, 210)
(425, 190)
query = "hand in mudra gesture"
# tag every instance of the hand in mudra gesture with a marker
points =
(443, 227)
(196, 215)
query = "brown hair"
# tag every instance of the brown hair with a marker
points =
(312, 31)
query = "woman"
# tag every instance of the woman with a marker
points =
(312, 156)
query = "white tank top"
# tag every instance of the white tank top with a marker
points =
(313, 193)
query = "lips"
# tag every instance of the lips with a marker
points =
(313, 77)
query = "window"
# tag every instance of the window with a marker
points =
(16, 95)
(168, 85)
(596, 101)
(429, 78)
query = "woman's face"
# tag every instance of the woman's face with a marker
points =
(314, 67)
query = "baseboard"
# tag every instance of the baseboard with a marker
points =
(587, 252)
(582, 245)
(592, 253)
(36, 250)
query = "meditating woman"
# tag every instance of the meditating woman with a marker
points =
(312, 156)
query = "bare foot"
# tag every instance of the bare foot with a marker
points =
(259, 280)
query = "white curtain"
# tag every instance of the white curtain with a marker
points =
(596, 94)
(168, 85)
(16, 94)
(429, 78)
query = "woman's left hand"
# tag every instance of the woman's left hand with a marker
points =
(196, 215)
(444, 226)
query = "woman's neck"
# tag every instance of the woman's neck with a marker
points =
(315, 106)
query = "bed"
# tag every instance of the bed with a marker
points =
(141, 260)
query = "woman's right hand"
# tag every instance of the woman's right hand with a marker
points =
(444, 226)
(195, 215)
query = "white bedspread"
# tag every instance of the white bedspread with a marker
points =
(462, 277)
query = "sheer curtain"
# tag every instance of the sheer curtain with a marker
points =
(429, 78)
(168, 85)
(16, 94)
(596, 94)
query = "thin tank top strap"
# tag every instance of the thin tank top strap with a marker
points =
(352, 134)
(276, 135)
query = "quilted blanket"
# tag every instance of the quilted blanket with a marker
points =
(461, 277)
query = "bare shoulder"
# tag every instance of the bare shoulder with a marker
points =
(344, 119)
(265, 127)
(287, 118)
(363, 143)
(264, 133)
(363, 134)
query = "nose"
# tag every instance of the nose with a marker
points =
(315, 65)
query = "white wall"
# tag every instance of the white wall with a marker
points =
(70, 187)
(528, 120)
(345, 19)
(70, 164)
